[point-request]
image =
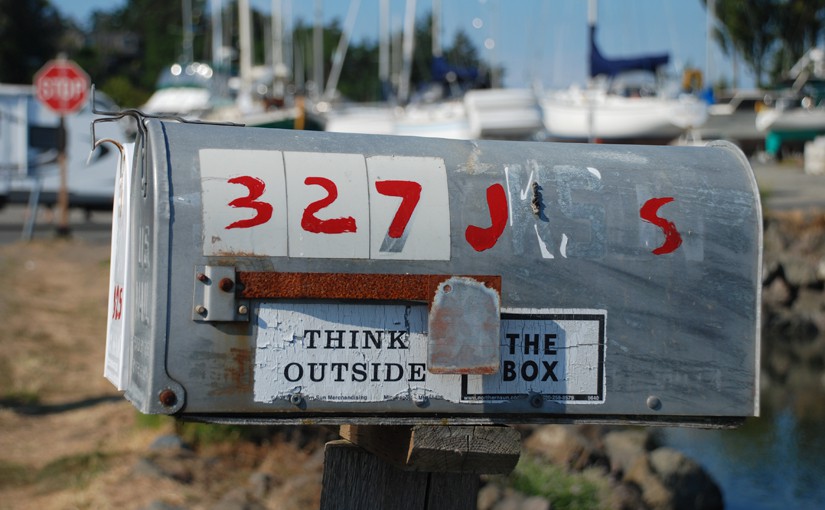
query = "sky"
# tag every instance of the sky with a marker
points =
(537, 41)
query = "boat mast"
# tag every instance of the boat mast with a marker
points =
(217, 36)
(318, 47)
(188, 36)
(408, 48)
(592, 12)
(384, 48)
(341, 50)
(245, 43)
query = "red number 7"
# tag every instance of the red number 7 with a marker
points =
(410, 193)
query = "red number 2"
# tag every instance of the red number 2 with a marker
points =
(410, 193)
(263, 210)
(311, 223)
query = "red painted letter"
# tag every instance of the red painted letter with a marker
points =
(410, 193)
(310, 223)
(485, 238)
(263, 211)
(672, 238)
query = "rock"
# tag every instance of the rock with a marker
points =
(777, 293)
(511, 500)
(168, 442)
(535, 503)
(692, 488)
(653, 492)
(488, 496)
(810, 306)
(799, 271)
(259, 484)
(563, 445)
(624, 446)
(626, 496)
(238, 499)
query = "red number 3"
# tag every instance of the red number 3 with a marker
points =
(263, 211)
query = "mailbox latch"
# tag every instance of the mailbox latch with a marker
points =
(215, 296)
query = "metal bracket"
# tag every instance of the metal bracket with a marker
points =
(215, 296)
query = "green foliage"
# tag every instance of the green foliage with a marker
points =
(202, 434)
(565, 491)
(123, 92)
(769, 35)
(30, 31)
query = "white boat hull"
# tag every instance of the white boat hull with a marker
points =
(583, 116)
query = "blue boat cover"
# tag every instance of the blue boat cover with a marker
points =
(440, 68)
(611, 67)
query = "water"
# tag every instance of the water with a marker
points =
(776, 461)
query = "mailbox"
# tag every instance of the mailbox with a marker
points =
(264, 275)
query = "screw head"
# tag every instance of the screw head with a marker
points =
(536, 400)
(226, 284)
(654, 402)
(296, 399)
(200, 310)
(202, 278)
(168, 398)
(243, 310)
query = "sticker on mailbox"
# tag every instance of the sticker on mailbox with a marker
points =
(371, 353)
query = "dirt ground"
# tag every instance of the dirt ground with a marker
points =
(69, 440)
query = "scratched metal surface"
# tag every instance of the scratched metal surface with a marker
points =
(682, 326)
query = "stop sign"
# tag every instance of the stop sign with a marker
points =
(62, 86)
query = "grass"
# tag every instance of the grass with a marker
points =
(565, 491)
(19, 398)
(73, 471)
(14, 475)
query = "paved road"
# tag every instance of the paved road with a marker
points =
(96, 228)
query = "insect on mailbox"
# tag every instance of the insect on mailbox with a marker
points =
(279, 276)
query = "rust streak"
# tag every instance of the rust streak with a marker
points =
(391, 287)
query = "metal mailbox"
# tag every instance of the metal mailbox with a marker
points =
(261, 275)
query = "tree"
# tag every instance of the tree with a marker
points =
(769, 35)
(30, 32)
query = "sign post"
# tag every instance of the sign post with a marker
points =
(62, 86)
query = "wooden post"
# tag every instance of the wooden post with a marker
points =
(413, 468)
(63, 192)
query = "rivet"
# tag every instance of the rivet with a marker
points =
(536, 400)
(296, 399)
(226, 284)
(200, 310)
(243, 310)
(448, 289)
(654, 403)
(202, 277)
(168, 398)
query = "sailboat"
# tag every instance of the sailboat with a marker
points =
(797, 112)
(612, 109)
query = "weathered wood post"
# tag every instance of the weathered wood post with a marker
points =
(416, 289)
(406, 467)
